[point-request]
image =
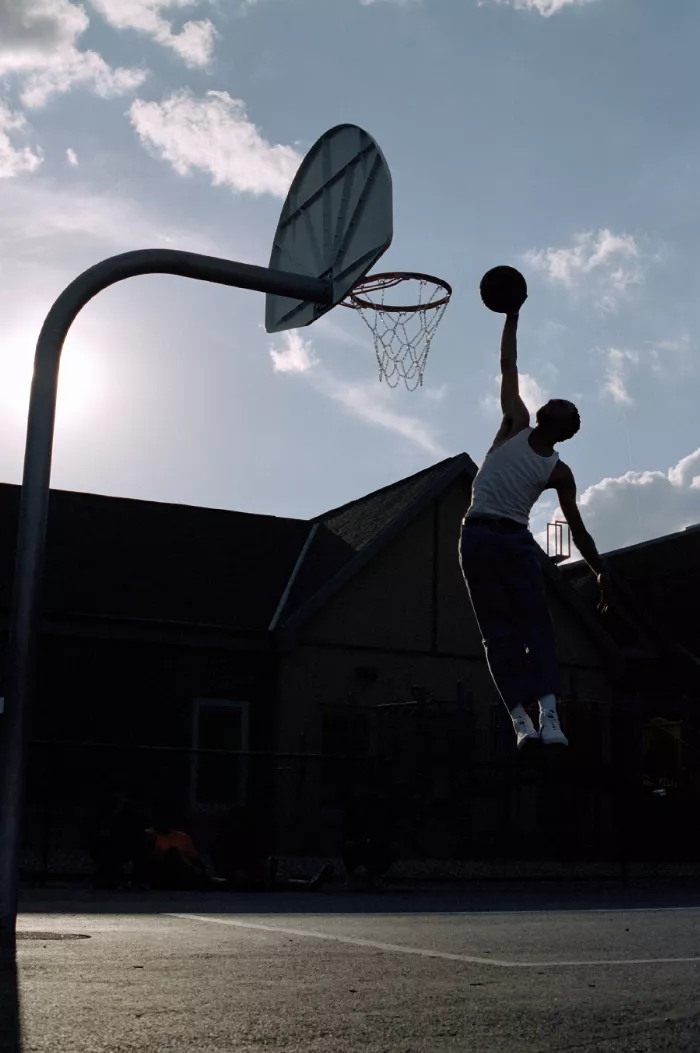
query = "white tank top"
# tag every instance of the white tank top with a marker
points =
(511, 479)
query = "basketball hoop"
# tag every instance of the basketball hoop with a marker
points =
(402, 331)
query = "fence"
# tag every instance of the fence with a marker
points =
(435, 803)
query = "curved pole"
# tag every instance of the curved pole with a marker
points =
(31, 537)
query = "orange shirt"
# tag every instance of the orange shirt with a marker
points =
(175, 839)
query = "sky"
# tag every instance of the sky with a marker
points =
(557, 136)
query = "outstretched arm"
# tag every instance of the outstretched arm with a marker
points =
(566, 490)
(512, 405)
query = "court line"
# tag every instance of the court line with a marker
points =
(423, 952)
(546, 910)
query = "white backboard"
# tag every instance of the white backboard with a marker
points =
(336, 223)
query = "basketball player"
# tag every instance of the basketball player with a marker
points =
(500, 559)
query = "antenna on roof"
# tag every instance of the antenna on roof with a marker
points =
(555, 541)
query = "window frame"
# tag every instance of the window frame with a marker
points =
(198, 705)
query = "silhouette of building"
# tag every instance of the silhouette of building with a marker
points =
(168, 631)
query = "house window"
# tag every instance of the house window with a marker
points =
(218, 779)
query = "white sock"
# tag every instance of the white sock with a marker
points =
(548, 704)
(519, 713)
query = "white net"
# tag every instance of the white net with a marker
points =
(402, 338)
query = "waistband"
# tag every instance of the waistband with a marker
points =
(494, 523)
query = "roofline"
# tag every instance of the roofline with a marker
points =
(635, 613)
(686, 531)
(462, 465)
(333, 512)
(293, 577)
(162, 504)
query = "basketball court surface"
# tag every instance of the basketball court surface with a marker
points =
(503, 969)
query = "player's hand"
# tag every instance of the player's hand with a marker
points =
(606, 592)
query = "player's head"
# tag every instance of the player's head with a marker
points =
(558, 419)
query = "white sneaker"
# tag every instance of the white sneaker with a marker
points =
(550, 729)
(524, 729)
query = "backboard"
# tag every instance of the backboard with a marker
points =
(336, 223)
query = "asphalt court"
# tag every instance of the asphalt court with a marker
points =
(534, 940)
(383, 974)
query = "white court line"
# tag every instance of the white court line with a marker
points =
(542, 910)
(500, 913)
(396, 948)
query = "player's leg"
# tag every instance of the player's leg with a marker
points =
(539, 636)
(487, 566)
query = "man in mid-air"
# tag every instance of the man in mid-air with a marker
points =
(501, 560)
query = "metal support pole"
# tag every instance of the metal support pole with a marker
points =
(31, 539)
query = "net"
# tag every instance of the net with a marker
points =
(402, 311)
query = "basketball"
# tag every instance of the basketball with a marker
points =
(503, 289)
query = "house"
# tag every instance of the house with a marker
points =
(223, 658)
(657, 628)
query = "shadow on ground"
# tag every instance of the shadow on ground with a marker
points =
(507, 897)
(9, 1004)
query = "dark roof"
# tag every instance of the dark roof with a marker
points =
(348, 536)
(360, 522)
(584, 611)
(660, 582)
(142, 559)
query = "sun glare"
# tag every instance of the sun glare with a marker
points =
(79, 379)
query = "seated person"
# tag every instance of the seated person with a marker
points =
(174, 862)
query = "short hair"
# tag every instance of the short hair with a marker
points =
(544, 412)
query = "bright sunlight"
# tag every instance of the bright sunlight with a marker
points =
(80, 381)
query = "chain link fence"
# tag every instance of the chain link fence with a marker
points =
(434, 803)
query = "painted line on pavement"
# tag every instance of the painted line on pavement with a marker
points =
(397, 948)
(554, 910)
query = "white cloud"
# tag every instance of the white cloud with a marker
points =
(14, 159)
(684, 343)
(370, 401)
(43, 224)
(639, 506)
(295, 355)
(605, 262)
(616, 372)
(436, 394)
(531, 392)
(195, 41)
(215, 135)
(546, 8)
(38, 44)
(674, 359)
(72, 157)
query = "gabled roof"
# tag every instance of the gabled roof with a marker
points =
(148, 560)
(349, 536)
(360, 522)
(141, 559)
